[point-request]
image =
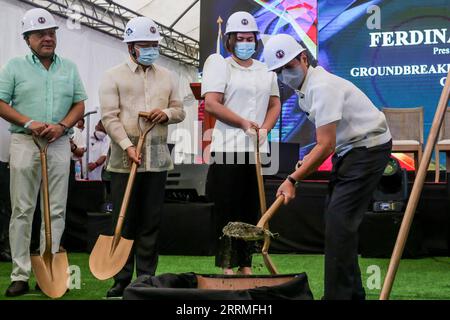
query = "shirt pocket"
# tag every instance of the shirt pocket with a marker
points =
(162, 97)
(63, 85)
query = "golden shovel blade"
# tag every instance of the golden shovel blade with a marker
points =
(52, 273)
(104, 262)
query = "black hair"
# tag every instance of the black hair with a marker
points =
(309, 58)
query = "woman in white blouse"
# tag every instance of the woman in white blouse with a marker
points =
(244, 98)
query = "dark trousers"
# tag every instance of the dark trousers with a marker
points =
(5, 207)
(234, 190)
(353, 180)
(142, 220)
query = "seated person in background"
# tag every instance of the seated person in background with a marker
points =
(77, 147)
(98, 150)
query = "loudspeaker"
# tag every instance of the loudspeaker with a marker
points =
(186, 182)
(378, 233)
(391, 193)
(187, 228)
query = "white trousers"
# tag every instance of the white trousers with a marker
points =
(25, 168)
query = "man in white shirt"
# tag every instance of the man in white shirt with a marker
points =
(98, 150)
(77, 147)
(133, 86)
(350, 126)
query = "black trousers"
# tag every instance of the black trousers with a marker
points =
(353, 180)
(234, 190)
(5, 206)
(142, 220)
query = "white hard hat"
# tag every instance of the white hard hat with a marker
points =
(280, 49)
(241, 21)
(141, 29)
(37, 19)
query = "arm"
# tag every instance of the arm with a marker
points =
(11, 115)
(101, 160)
(110, 110)
(175, 112)
(7, 85)
(76, 113)
(273, 112)
(54, 131)
(215, 78)
(93, 165)
(214, 106)
(274, 108)
(77, 151)
(326, 143)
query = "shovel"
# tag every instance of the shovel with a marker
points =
(262, 204)
(110, 253)
(50, 270)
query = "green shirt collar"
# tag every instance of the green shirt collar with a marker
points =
(34, 58)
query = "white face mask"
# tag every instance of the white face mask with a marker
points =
(100, 135)
(292, 77)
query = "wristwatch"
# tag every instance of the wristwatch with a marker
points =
(294, 182)
(66, 129)
(73, 147)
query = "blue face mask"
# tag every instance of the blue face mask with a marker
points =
(244, 50)
(148, 55)
(292, 77)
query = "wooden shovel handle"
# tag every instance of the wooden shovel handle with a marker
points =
(416, 192)
(144, 131)
(134, 166)
(42, 145)
(144, 114)
(263, 223)
(271, 211)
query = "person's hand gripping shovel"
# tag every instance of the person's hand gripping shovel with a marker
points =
(110, 253)
(50, 269)
(248, 232)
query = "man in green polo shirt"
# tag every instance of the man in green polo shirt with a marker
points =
(40, 94)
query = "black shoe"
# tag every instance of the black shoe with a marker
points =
(17, 288)
(5, 256)
(116, 290)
